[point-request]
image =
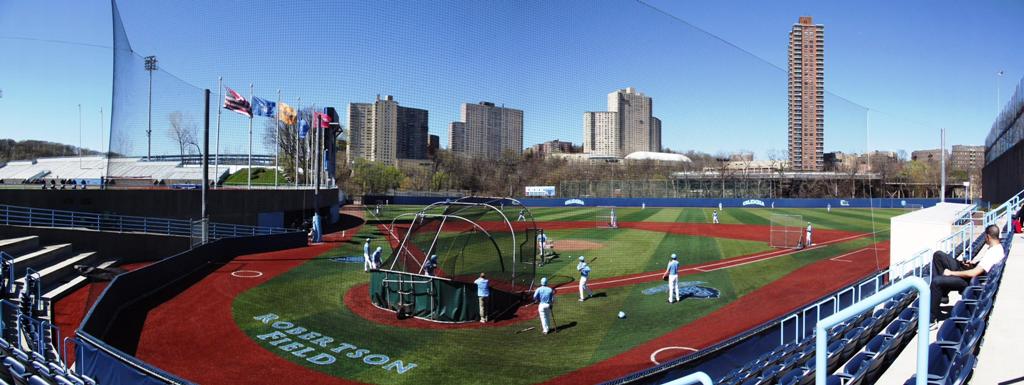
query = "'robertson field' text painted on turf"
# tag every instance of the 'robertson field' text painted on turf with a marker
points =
(304, 343)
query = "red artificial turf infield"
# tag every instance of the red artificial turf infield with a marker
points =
(781, 296)
(194, 335)
(217, 351)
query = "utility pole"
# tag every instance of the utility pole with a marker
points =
(150, 67)
(999, 78)
(206, 166)
(942, 167)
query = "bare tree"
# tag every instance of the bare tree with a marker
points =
(183, 132)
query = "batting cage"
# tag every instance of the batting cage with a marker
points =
(468, 236)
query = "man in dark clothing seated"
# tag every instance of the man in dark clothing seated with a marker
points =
(950, 274)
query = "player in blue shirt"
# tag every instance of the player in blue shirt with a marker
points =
(584, 270)
(375, 260)
(545, 297)
(430, 265)
(672, 276)
(367, 263)
(483, 293)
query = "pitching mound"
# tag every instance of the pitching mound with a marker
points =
(576, 244)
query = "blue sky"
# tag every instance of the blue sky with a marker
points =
(918, 65)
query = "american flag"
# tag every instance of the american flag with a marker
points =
(235, 102)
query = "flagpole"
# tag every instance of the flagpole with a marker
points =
(277, 138)
(309, 145)
(216, 156)
(249, 177)
(298, 118)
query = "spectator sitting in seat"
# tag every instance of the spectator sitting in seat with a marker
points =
(950, 274)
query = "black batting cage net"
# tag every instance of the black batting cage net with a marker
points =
(468, 236)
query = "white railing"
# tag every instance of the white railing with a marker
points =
(833, 302)
(36, 217)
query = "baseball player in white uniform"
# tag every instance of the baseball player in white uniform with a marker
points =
(584, 270)
(672, 273)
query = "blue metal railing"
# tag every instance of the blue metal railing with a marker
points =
(36, 217)
(924, 316)
(693, 378)
(1001, 215)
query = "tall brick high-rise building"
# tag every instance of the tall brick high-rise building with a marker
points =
(807, 95)
(383, 131)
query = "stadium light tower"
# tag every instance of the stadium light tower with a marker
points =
(999, 78)
(150, 67)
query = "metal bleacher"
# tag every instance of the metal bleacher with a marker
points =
(866, 346)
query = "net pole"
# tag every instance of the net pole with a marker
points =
(297, 128)
(220, 97)
(249, 174)
(277, 137)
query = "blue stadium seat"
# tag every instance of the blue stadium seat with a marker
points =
(940, 366)
(62, 380)
(16, 368)
(39, 380)
(770, 374)
(752, 381)
(951, 334)
(792, 377)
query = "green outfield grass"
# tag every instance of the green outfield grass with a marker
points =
(311, 296)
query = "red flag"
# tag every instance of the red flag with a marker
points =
(323, 120)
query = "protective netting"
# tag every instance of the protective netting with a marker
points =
(787, 231)
(469, 236)
(157, 123)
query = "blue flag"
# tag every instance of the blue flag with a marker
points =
(263, 107)
(303, 128)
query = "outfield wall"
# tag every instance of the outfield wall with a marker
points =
(690, 202)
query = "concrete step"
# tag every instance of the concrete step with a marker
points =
(61, 271)
(18, 246)
(41, 258)
(71, 285)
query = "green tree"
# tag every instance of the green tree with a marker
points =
(373, 178)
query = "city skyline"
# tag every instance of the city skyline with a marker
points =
(687, 114)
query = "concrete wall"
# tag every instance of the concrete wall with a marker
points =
(228, 205)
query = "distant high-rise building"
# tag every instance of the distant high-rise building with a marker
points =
(656, 135)
(934, 155)
(968, 158)
(552, 147)
(433, 144)
(626, 127)
(601, 134)
(807, 95)
(413, 133)
(383, 131)
(487, 131)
